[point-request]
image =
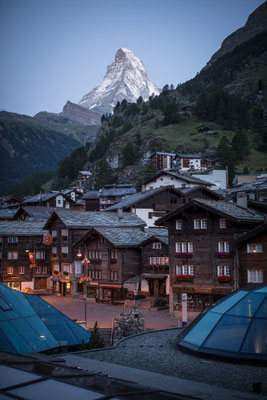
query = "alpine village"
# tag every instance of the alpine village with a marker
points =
(144, 199)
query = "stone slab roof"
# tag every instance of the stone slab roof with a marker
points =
(132, 199)
(89, 219)
(21, 228)
(117, 192)
(38, 212)
(40, 197)
(91, 194)
(123, 237)
(7, 213)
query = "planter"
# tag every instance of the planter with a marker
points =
(183, 254)
(221, 254)
(184, 278)
(224, 278)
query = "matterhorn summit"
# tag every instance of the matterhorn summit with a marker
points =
(126, 78)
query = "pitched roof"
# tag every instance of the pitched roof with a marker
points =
(91, 194)
(123, 237)
(40, 197)
(89, 219)
(7, 213)
(189, 155)
(117, 191)
(137, 197)
(36, 212)
(252, 233)
(184, 177)
(21, 228)
(159, 234)
(221, 207)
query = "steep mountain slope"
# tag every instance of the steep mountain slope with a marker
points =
(27, 147)
(126, 78)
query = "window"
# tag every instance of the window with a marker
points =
(223, 270)
(94, 254)
(54, 251)
(66, 268)
(255, 275)
(185, 270)
(10, 270)
(156, 245)
(222, 223)
(64, 232)
(41, 270)
(12, 255)
(12, 239)
(54, 233)
(21, 270)
(40, 255)
(184, 247)
(223, 247)
(158, 260)
(200, 224)
(254, 248)
(64, 250)
(56, 268)
(114, 275)
(102, 240)
(114, 254)
(179, 224)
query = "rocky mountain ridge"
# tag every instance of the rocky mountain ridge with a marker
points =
(126, 78)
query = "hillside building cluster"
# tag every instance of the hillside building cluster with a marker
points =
(178, 235)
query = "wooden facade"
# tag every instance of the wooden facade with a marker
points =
(17, 272)
(155, 266)
(202, 254)
(108, 267)
(252, 256)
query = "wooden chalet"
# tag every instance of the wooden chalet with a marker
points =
(25, 258)
(155, 264)
(108, 256)
(162, 161)
(202, 252)
(33, 213)
(52, 199)
(155, 203)
(252, 256)
(68, 227)
(174, 179)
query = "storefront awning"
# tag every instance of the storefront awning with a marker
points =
(112, 286)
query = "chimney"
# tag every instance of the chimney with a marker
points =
(120, 213)
(241, 199)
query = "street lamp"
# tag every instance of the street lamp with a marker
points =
(86, 262)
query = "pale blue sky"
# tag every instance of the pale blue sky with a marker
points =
(52, 51)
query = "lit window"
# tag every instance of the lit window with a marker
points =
(158, 260)
(179, 224)
(156, 245)
(222, 223)
(254, 248)
(255, 276)
(223, 270)
(185, 270)
(200, 224)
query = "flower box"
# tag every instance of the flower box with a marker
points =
(224, 278)
(85, 280)
(223, 254)
(184, 278)
(184, 254)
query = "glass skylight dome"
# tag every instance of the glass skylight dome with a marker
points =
(30, 324)
(235, 327)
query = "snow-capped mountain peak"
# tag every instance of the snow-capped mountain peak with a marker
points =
(126, 78)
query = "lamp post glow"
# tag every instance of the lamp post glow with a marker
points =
(86, 262)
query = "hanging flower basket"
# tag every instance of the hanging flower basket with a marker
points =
(47, 239)
(85, 280)
(224, 278)
(184, 278)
